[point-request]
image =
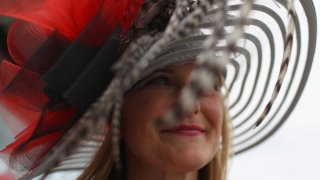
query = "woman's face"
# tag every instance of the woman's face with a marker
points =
(187, 146)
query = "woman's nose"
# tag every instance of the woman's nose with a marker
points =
(197, 108)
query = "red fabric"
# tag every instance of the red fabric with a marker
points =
(24, 105)
(68, 16)
(22, 32)
(21, 97)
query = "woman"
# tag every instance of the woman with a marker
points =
(154, 151)
(144, 78)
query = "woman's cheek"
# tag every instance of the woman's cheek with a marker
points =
(212, 108)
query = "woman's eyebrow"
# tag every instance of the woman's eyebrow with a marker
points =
(164, 70)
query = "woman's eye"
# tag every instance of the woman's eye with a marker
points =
(158, 81)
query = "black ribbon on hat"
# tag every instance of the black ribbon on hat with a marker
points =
(83, 72)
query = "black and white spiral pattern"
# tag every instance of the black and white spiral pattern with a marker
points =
(254, 71)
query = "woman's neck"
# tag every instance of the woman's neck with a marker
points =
(147, 173)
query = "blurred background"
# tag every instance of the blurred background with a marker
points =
(293, 153)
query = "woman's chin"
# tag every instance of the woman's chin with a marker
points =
(191, 160)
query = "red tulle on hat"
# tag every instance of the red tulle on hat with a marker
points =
(36, 40)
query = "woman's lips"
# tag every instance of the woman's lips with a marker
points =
(185, 130)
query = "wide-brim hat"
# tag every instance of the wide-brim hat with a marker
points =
(63, 56)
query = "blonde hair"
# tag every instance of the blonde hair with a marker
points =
(102, 165)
